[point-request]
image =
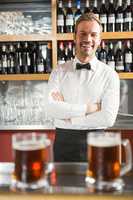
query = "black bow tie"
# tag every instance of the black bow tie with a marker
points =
(83, 66)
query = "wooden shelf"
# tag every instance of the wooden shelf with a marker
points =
(126, 75)
(45, 77)
(30, 37)
(24, 77)
(107, 35)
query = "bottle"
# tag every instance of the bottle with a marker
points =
(128, 17)
(61, 53)
(119, 65)
(128, 57)
(119, 17)
(69, 18)
(103, 16)
(40, 60)
(4, 59)
(111, 17)
(95, 10)
(103, 53)
(60, 18)
(69, 51)
(87, 7)
(33, 58)
(111, 56)
(11, 60)
(78, 12)
(18, 59)
(49, 58)
(25, 55)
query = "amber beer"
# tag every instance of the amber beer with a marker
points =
(104, 158)
(29, 163)
(30, 158)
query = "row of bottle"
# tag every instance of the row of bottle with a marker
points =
(25, 57)
(117, 54)
(113, 17)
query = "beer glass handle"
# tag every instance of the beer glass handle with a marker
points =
(128, 157)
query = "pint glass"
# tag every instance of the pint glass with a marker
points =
(30, 159)
(104, 156)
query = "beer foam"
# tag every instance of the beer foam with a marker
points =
(30, 145)
(104, 142)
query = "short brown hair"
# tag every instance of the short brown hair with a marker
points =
(87, 17)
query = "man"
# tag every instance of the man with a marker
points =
(82, 98)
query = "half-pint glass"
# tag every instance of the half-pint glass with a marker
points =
(30, 159)
(104, 155)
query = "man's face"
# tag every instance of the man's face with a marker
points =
(87, 39)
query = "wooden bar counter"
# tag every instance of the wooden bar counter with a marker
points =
(67, 181)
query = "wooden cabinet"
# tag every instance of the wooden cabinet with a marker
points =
(54, 37)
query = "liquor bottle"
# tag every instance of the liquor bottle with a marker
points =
(40, 60)
(111, 56)
(61, 53)
(119, 65)
(25, 55)
(49, 58)
(119, 17)
(87, 7)
(69, 51)
(69, 18)
(103, 16)
(128, 17)
(4, 59)
(78, 12)
(18, 59)
(95, 10)
(111, 17)
(103, 53)
(128, 57)
(60, 18)
(11, 60)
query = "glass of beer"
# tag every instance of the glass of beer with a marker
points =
(105, 162)
(31, 157)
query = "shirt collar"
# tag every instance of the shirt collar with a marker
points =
(93, 63)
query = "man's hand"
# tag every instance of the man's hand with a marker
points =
(92, 107)
(57, 96)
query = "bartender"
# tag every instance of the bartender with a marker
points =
(83, 93)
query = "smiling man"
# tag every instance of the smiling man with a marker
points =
(83, 93)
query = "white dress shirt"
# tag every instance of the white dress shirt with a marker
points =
(99, 85)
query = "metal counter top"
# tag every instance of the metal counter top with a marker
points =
(69, 178)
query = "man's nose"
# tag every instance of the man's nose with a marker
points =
(88, 37)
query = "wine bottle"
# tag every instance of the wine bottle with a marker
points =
(11, 60)
(78, 12)
(119, 17)
(119, 65)
(69, 18)
(60, 18)
(61, 53)
(40, 60)
(103, 16)
(128, 57)
(49, 57)
(4, 59)
(69, 51)
(103, 53)
(18, 59)
(128, 17)
(111, 17)
(87, 8)
(111, 56)
(25, 54)
(95, 10)
(33, 57)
